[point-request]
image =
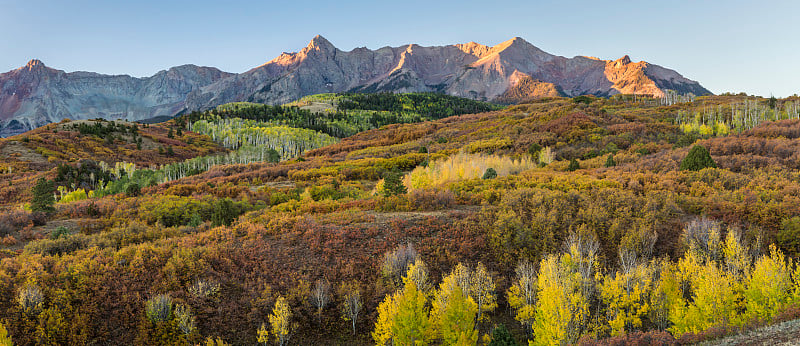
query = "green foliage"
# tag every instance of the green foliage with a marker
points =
(352, 113)
(133, 189)
(225, 212)
(697, 159)
(610, 161)
(159, 308)
(583, 99)
(489, 174)
(502, 337)
(457, 321)
(393, 184)
(59, 232)
(573, 165)
(43, 199)
(788, 238)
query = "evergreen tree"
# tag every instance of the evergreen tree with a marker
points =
(43, 198)
(502, 337)
(393, 184)
(573, 165)
(697, 159)
(490, 173)
(610, 161)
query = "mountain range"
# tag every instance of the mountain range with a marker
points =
(512, 71)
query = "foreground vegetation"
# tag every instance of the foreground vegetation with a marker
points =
(579, 220)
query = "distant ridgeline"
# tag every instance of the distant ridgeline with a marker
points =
(343, 115)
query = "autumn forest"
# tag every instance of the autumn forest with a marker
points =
(406, 219)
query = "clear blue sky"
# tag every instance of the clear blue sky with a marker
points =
(733, 45)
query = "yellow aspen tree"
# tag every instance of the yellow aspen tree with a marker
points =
(280, 320)
(351, 303)
(769, 288)
(457, 323)
(403, 317)
(441, 300)
(482, 290)
(5, 340)
(561, 305)
(418, 274)
(522, 294)
(387, 310)
(262, 336)
(626, 294)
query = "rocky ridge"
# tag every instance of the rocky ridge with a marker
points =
(512, 71)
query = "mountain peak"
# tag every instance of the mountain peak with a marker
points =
(34, 63)
(319, 42)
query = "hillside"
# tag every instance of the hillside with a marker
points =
(585, 206)
(512, 71)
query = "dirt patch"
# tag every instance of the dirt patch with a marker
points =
(786, 333)
(15, 150)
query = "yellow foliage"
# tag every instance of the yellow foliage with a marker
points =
(280, 320)
(5, 340)
(463, 167)
(769, 289)
(626, 294)
(561, 304)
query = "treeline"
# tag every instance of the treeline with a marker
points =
(354, 113)
(236, 133)
(427, 105)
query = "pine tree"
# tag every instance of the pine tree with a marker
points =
(697, 159)
(610, 161)
(393, 184)
(43, 198)
(573, 165)
(502, 337)
(490, 173)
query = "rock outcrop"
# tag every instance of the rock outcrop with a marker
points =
(512, 71)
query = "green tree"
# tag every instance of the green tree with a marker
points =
(411, 321)
(610, 161)
(133, 190)
(490, 173)
(225, 212)
(393, 184)
(789, 237)
(502, 337)
(697, 159)
(403, 317)
(573, 165)
(43, 199)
